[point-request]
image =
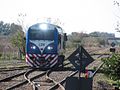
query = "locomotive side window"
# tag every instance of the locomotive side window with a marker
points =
(41, 35)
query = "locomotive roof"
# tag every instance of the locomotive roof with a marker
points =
(49, 27)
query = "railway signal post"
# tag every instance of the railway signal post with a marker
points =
(112, 48)
(84, 59)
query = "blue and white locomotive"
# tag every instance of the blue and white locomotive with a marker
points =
(45, 44)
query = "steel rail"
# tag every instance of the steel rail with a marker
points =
(30, 80)
(13, 76)
(47, 76)
(19, 84)
(94, 73)
(25, 81)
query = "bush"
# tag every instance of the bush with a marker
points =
(112, 66)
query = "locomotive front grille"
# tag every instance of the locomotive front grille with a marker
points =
(42, 59)
(37, 60)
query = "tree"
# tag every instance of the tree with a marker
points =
(117, 4)
(21, 21)
(17, 38)
(102, 41)
(18, 41)
(76, 39)
(4, 28)
(102, 34)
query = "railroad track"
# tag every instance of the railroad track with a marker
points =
(14, 68)
(47, 79)
(9, 82)
(19, 81)
(53, 80)
(58, 84)
(30, 79)
(97, 63)
(43, 80)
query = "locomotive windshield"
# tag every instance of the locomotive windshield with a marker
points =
(41, 35)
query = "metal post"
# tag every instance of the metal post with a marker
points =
(80, 61)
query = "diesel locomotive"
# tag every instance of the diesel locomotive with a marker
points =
(45, 44)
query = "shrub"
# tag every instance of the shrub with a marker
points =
(112, 66)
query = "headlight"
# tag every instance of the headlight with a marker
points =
(43, 26)
(49, 47)
(33, 47)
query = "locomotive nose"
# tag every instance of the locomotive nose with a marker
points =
(42, 60)
(41, 48)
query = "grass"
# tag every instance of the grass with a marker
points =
(12, 63)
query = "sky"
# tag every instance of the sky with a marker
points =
(75, 15)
